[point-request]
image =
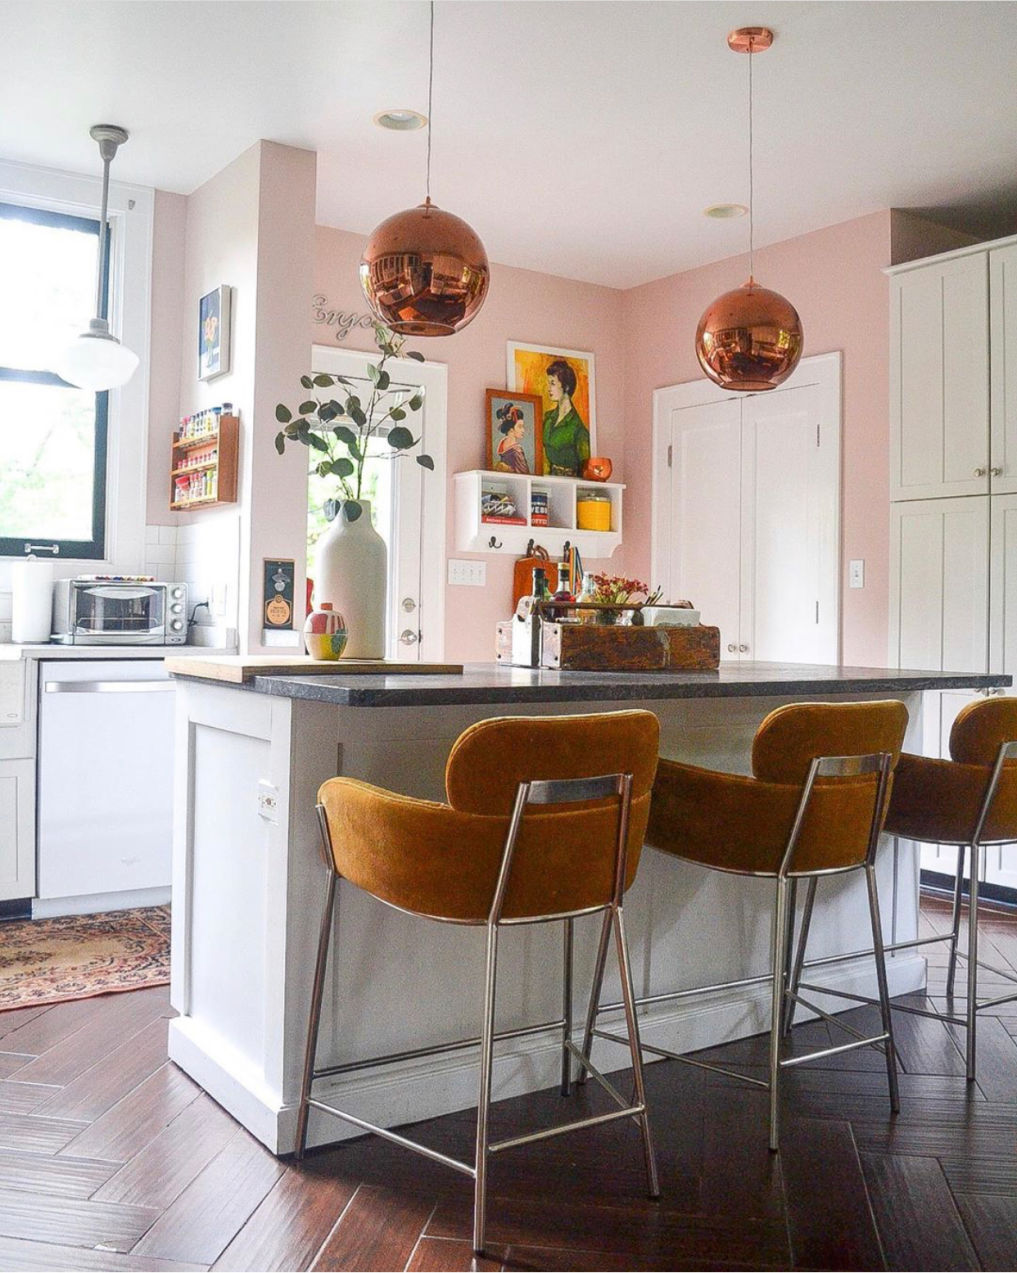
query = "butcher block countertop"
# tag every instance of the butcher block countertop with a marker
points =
(239, 669)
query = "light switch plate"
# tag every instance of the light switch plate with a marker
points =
(856, 573)
(469, 574)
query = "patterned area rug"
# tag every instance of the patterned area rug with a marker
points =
(78, 956)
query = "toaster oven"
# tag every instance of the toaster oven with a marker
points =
(119, 612)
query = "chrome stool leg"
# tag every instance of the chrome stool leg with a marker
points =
(971, 1011)
(955, 919)
(484, 1096)
(884, 992)
(781, 916)
(598, 985)
(799, 960)
(635, 1049)
(566, 1010)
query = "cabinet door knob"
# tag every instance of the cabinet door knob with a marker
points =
(980, 472)
(731, 647)
(744, 649)
(996, 471)
(408, 637)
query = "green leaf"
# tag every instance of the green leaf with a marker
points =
(351, 402)
(283, 414)
(344, 433)
(397, 413)
(352, 510)
(308, 408)
(358, 417)
(327, 412)
(354, 449)
(280, 443)
(342, 380)
(306, 382)
(415, 354)
(425, 462)
(324, 468)
(416, 402)
(401, 438)
(330, 508)
(323, 381)
(374, 373)
(384, 380)
(293, 430)
(343, 467)
(317, 441)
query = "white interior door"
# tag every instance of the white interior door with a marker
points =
(746, 516)
(408, 505)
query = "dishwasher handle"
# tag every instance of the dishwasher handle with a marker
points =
(107, 687)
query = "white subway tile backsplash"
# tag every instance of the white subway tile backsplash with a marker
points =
(167, 535)
(152, 534)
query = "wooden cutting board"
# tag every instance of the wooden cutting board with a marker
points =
(237, 668)
(522, 574)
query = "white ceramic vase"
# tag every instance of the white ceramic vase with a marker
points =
(352, 574)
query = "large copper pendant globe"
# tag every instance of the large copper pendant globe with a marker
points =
(425, 272)
(750, 339)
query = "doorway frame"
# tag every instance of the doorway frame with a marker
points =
(824, 371)
(433, 376)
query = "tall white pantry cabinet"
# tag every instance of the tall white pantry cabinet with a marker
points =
(953, 482)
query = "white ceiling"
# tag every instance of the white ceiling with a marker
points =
(582, 139)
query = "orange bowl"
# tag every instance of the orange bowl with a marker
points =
(597, 468)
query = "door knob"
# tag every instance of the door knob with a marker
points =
(731, 647)
(408, 637)
(996, 471)
(409, 605)
(744, 649)
(980, 472)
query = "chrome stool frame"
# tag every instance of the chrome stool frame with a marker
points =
(785, 996)
(976, 846)
(557, 792)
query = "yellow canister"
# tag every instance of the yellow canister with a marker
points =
(593, 510)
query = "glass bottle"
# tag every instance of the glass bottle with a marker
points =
(562, 593)
(588, 592)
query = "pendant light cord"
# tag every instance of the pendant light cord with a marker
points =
(106, 159)
(430, 89)
(751, 212)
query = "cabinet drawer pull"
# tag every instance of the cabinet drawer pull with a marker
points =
(980, 472)
(731, 647)
(106, 687)
(996, 471)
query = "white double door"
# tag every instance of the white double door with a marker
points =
(747, 512)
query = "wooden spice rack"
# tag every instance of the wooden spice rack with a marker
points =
(223, 483)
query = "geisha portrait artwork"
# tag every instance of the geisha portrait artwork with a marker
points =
(214, 334)
(514, 432)
(563, 378)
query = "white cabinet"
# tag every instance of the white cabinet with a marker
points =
(939, 379)
(746, 512)
(17, 829)
(475, 533)
(1003, 380)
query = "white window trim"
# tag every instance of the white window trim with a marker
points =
(131, 214)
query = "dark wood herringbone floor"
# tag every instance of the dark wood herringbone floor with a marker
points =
(110, 1158)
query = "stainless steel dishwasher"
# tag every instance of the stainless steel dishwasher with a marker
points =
(105, 782)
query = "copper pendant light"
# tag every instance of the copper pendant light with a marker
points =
(424, 271)
(749, 339)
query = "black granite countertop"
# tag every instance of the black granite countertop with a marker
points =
(489, 683)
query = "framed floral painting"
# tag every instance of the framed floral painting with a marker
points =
(564, 381)
(214, 334)
(515, 432)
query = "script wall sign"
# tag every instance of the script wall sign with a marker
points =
(342, 320)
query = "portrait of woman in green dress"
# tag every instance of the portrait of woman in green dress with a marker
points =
(566, 437)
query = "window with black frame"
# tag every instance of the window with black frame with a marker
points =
(52, 435)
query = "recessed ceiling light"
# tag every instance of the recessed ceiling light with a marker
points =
(400, 120)
(724, 211)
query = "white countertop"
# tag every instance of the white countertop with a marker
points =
(51, 650)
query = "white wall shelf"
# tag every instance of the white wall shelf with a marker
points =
(474, 534)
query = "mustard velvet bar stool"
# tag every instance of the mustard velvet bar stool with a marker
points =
(813, 807)
(969, 800)
(545, 821)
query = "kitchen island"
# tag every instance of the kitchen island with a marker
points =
(248, 886)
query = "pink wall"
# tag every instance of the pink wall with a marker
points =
(834, 278)
(522, 305)
(168, 236)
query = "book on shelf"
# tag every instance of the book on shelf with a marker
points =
(505, 521)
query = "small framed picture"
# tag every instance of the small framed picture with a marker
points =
(214, 334)
(515, 441)
(563, 381)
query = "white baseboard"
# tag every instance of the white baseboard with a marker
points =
(408, 1091)
(94, 903)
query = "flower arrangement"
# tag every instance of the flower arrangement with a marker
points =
(329, 425)
(618, 591)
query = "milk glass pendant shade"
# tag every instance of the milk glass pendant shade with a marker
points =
(424, 271)
(750, 339)
(96, 360)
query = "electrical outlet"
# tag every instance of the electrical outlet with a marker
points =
(470, 574)
(268, 802)
(856, 573)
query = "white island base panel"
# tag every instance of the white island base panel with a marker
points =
(248, 890)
